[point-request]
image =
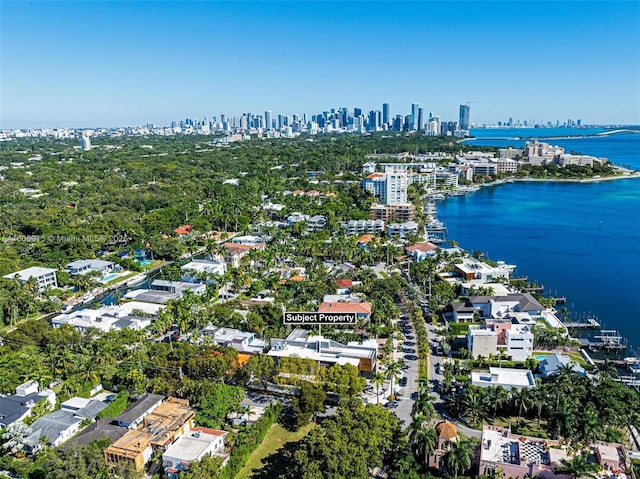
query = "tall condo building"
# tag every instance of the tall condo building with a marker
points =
(465, 111)
(85, 143)
(267, 120)
(414, 116)
(386, 115)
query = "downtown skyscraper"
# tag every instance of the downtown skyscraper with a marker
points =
(465, 112)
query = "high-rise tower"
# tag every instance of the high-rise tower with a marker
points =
(268, 125)
(465, 111)
(414, 116)
(386, 115)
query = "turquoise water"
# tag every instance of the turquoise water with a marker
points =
(578, 239)
(109, 277)
(144, 262)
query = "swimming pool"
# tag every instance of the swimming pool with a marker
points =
(144, 262)
(109, 277)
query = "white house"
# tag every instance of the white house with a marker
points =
(57, 427)
(191, 447)
(506, 377)
(84, 266)
(46, 277)
(198, 266)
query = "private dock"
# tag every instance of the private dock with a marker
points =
(589, 323)
(607, 339)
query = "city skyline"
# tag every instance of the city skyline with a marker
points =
(93, 64)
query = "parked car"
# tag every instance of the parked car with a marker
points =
(403, 381)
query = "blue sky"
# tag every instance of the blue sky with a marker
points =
(122, 63)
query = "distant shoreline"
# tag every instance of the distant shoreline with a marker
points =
(635, 174)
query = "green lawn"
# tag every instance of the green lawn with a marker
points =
(575, 356)
(275, 438)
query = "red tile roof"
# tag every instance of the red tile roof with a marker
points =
(344, 283)
(237, 248)
(424, 247)
(365, 239)
(183, 230)
(360, 308)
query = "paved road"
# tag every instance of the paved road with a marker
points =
(405, 401)
(435, 379)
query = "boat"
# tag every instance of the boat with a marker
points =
(137, 279)
(436, 196)
(88, 299)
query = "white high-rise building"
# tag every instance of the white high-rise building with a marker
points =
(268, 125)
(396, 181)
(85, 143)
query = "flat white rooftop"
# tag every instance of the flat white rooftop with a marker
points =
(505, 377)
(33, 272)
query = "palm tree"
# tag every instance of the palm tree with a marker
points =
(377, 380)
(422, 439)
(458, 459)
(498, 396)
(578, 466)
(474, 406)
(423, 405)
(521, 400)
(393, 372)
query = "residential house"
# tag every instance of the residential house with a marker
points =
(316, 223)
(46, 277)
(197, 267)
(362, 309)
(16, 407)
(552, 363)
(499, 306)
(183, 230)
(520, 457)
(421, 251)
(343, 286)
(326, 351)
(471, 268)
(52, 430)
(108, 318)
(191, 447)
(82, 407)
(237, 251)
(250, 240)
(133, 416)
(446, 436)
(159, 426)
(242, 341)
(515, 340)
(178, 287)
(508, 378)
(85, 266)
(482, 342)
(462, 311)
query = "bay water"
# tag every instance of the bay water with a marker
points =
(580, 240)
